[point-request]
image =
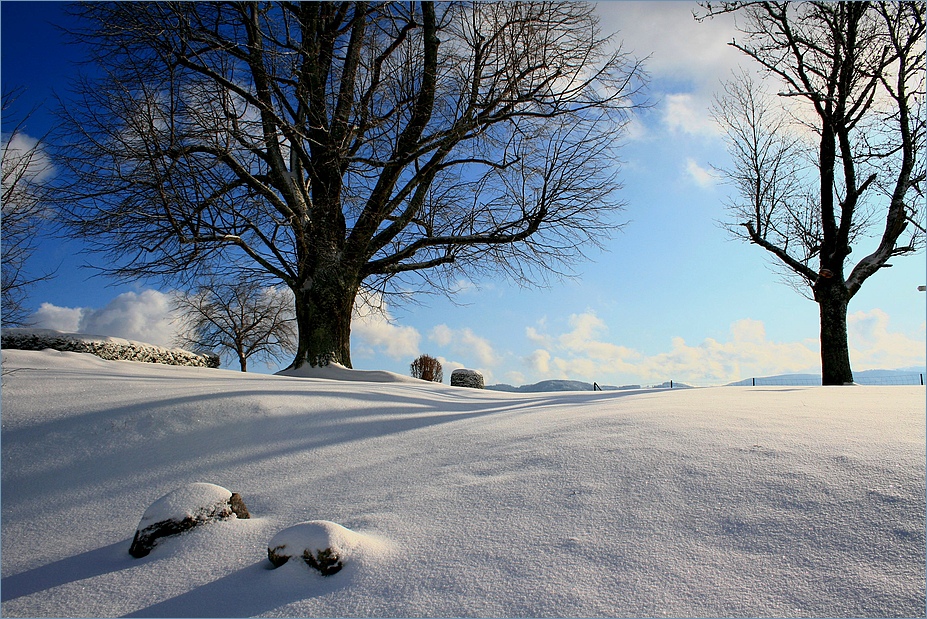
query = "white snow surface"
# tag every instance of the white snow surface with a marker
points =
(766, 501)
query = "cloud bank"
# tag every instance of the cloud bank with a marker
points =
(375, 331)
(584, 352)
(143, 317)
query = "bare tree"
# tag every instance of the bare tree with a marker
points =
(427, 367)
(242, 318)
(25, 171)
(341, 147)
(835, 163)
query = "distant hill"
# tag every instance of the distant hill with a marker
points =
(573, 385)
(905, 376)
(546, 385)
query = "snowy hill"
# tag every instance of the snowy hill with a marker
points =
(767, 501)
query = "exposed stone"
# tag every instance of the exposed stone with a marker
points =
(466, 378)
(109, 348)
(238, 506)
(181, 510)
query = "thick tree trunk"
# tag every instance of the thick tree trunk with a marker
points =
(323, 319)
(833, 300)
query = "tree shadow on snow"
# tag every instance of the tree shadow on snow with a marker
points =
(251, 591)
(97, 562)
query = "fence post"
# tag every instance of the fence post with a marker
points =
(922, 380)
(754, 381)
(671, 384)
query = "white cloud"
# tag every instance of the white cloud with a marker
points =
(585, 340)
(373, 331)
(678, 46)
(143, 317)
(539, 361)
(874, 347)
(50, 316)
(466, 343)
(702, 177)
(23, 157)
(689, 114)
(747, 353)
(584, 352)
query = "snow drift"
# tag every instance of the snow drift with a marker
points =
(725, 501)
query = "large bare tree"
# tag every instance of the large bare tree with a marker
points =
(834, 164)
(340, 147)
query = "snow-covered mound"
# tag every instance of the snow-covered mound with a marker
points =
(336, 371)
(196, 500)
(103, 346)
(766, 501)
(325, 546)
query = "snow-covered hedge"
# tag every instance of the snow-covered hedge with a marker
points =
(109, 348)
(467, 378)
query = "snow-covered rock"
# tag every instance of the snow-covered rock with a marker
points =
(183, 509)
(466, 378)
(105, 347)
(322, 544)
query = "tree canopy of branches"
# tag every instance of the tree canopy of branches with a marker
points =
(25, 169)
(427, 367)
(340, 147)
(242, 318)
(836, 164)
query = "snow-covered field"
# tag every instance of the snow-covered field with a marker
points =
(767, 501)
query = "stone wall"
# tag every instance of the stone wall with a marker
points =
(109, 348)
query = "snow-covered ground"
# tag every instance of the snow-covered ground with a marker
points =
(767, 501)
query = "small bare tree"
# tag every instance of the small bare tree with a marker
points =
(427, 367)
(341, 146)
(25, 171)
(241, 318)
(836, 164)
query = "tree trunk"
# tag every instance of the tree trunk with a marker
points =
(323, 319)
(833, 300)
(243, 362)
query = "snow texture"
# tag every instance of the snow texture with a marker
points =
(726, 501)
(103, 346)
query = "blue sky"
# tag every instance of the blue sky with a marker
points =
(672, 297)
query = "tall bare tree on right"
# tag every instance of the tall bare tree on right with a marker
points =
(834, 164)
